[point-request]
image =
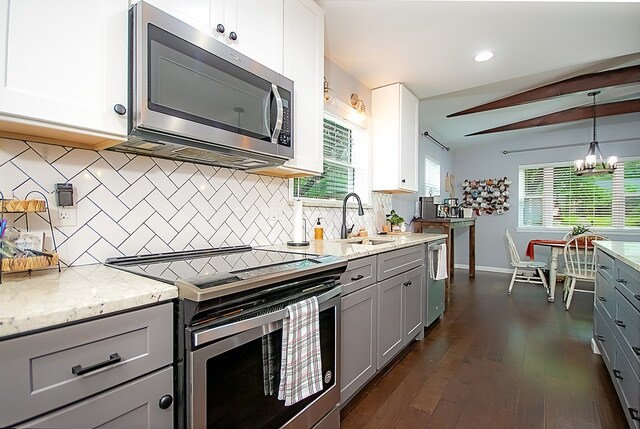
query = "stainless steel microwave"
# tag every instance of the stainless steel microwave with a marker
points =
(193, 98)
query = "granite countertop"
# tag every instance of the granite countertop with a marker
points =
(626, 251)
(47, 298)
(348, 250)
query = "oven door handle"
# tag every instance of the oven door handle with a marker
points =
(270, 320)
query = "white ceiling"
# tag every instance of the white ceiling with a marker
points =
(429, 45)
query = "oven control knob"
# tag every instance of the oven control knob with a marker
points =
(165, 402)
(327, 377)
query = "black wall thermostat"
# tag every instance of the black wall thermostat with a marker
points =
(64, 194)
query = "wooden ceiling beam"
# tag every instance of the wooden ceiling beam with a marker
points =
(569, 115)
(621, 76)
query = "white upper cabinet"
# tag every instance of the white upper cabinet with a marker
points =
(63, 68)
(394, 114)
(252, 27)
(304, 64)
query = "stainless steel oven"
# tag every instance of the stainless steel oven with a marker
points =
(227, 365)
(194, 98)
(229, 333)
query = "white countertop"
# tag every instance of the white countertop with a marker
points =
(626, 251)
(353, 251)
(48, 298)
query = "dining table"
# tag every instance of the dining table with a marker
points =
(556, 247)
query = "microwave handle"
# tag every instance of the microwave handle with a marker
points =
(278, 125)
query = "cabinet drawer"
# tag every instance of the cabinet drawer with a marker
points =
(50, 369)
(627, 330)
(360, 273)
(399, 261)
(604, 337)
(606, 265)
(133, 405)
(604, 296)
(627, 281)
(627, 385)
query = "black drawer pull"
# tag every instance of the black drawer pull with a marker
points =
(600, 338)
(637, 297)
(616, 374)
(356, 278)
(405, 284)
(79, 370)
(636, 350)
(620, 323)
(634, 414)
(409, 283)
(621, 281)
(602, 298)
(603, 267)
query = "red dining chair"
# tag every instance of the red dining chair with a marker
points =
(518, 265)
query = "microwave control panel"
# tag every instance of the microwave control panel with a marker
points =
(284, 138)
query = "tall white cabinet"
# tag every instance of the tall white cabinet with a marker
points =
(394, 114)
(63, 68)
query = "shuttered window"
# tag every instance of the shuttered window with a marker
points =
(431, 177)
(345, 164)
(553, 196)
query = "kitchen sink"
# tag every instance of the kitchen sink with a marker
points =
(368, 241)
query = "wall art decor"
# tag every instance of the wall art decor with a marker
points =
(490, 196)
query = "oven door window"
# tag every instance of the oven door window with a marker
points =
(188, 82)
(239, 392)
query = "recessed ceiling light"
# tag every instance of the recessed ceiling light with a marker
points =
(483, 56)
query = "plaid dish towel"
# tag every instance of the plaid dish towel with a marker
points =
(301, 364)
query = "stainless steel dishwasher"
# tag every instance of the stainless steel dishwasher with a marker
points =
(434, 304)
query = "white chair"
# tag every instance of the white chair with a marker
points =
(518, 265)
(579, 264)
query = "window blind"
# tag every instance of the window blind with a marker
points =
(554, 196)
(431, 177)
(345, 164)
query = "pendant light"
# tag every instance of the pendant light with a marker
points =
(588, 165)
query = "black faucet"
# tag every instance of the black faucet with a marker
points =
(344, 230)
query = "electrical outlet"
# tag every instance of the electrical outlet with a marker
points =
(64, 213)
(66, 216)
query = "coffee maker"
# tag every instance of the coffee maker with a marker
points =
(427, 207)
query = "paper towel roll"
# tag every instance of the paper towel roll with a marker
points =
(297, 221)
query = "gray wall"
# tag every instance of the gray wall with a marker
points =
(343, 85)
(489, 162)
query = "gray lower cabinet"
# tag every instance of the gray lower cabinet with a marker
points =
(616, 329)
(52, 369)
(400, 309)
(134, 405)
(358, 340)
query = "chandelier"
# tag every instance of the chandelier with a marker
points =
(588, 165)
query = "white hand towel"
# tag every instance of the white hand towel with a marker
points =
(442, 271)
(301, 363)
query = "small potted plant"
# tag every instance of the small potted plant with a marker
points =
(395, 220)
(579, 229)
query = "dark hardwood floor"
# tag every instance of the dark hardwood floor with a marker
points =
(496, 361)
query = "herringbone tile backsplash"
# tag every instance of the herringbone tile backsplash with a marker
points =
(129, 204)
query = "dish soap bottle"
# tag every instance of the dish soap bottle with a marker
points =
(318, 230)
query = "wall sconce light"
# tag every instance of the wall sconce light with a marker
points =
(358, 104)
(328, 93)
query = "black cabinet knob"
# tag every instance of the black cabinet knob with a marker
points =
(634, 414)
(404, 180)
(602, 298)
(602, 267)
(636, 350)
(233, 36)
(600, 338)
(617, 374)
(220, 28)
(120, 109)
(637, 297)
(620, 323)
(165, 402)
(621, 281)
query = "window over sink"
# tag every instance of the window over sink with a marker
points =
(345, 166)
(552, 196)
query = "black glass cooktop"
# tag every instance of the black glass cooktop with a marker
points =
(219, 266)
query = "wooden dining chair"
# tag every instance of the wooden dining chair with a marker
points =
(579, 264)
(518, 265)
